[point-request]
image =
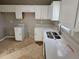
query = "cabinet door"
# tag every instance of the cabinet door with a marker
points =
(38, 12)
(50, 11)
(56, 10)
(18, 15)
(41, 12)
(38, 34)
(44, 12)
(18, 34)
(68, 13)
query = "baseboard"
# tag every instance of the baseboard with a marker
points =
(10, 36)
(3, 38)
(6, 37)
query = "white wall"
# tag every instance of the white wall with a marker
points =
(68, 12)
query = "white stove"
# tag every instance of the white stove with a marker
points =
(55, 48)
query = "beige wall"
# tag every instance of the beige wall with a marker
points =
(2, 26)
(29, 21)
(10, 22)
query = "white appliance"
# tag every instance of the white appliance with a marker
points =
(55, 48)
(19, 32)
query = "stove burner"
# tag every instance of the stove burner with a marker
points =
(57, 37)
(49, 35)
(54, 33)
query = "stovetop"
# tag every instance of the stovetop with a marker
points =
(53, 35)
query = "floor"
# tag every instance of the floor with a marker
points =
(26, 49)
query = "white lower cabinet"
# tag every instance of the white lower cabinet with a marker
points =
(38, 34)
(19, 33)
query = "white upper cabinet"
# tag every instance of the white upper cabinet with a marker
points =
(19, 15)
(69, 14)
(42, 12)
(38, 12)
(55, 10)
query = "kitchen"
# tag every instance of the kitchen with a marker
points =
(49, 27)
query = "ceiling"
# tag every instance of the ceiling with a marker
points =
(26, 2)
